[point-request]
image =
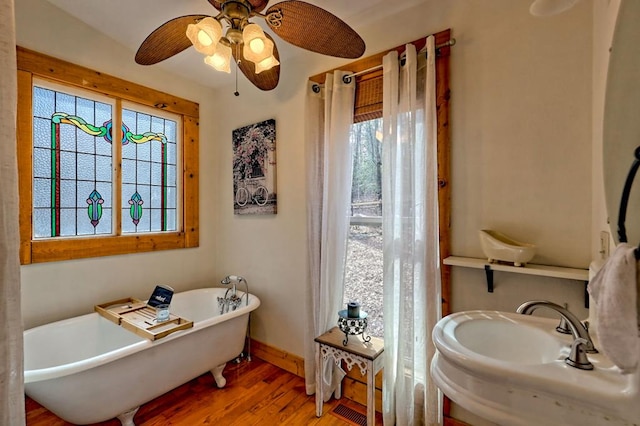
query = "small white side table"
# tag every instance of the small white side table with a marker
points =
(367, 356)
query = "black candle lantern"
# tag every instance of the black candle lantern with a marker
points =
(353, 321)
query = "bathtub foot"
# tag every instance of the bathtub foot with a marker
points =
(126, 418)
(217, 375)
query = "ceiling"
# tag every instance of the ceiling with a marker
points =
(129, 22)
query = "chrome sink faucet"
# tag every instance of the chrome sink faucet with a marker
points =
(582, 341)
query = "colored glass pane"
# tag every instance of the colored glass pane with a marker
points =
(67, 223)
(156, 220)
(170, 131)
(156, 197)
(143, 172)
(41, 223)
(43, 102)
(68, 194)
(148, 172)
(85, 142)
(65, 102)
(85, 108)
(67, 138)
(172, 198)
(68, 165)
(86, 166)
(42, 193)
(171, 153)
(41, 163)
(156, 172)
(171, 175)
(103, 168)
(41, 132)
(66, 169)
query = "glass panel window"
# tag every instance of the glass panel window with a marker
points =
(73, 166)
(363, 275)
(103, 167)
(149, 192)
(72, 155)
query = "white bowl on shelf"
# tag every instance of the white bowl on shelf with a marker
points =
(498, 247)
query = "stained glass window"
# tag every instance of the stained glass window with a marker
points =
(149, 180)
(73, 179)
(103, 167)
(72, 165)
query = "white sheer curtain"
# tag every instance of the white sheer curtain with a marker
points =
(410, 236)
(329, 114)
(11, 372)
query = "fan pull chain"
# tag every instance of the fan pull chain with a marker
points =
(237, 66)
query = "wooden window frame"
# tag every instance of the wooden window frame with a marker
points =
(32, 65)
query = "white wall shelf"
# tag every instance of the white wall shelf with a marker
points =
(529, 269)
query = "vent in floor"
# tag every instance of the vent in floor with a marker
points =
(350, 415)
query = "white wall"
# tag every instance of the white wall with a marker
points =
(521, 148)
(522, 136)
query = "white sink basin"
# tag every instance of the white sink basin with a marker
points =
(509, 368)
(507, 338)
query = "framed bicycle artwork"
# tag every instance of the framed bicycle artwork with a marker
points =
(254, 169)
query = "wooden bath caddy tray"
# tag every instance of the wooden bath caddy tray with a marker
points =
(136, 316)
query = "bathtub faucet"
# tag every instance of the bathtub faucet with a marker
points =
(235, 302)
(235, 279)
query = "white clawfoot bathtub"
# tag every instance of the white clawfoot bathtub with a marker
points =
(87, 369)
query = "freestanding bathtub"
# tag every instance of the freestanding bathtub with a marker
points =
(87, 369)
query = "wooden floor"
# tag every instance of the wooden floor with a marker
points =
(256, 393)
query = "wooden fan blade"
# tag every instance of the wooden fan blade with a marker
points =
(266, 80)
(314, 29)
(256, 5)
(167, 40)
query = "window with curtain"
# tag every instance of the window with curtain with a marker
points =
(105, 168)
(364, 273)
(363, 277)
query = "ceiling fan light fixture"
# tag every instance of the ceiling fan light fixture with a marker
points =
(266, 64)
(221, 59)
(255, 43)
(204, 35)
(222, 38)
(255, 57)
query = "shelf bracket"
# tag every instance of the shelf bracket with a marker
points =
(586, 294)
(489, 273)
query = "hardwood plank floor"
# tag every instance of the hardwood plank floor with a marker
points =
(256, 393)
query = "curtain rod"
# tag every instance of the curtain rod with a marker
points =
(347, 78)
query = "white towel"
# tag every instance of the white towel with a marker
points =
(615, 292)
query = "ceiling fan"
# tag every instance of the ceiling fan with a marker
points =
(299, 23)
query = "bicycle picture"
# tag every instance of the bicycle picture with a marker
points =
(254, 169)
(246, 193)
